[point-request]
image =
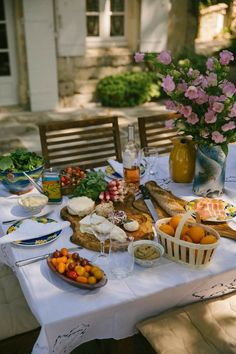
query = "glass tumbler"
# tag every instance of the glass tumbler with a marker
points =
(121, 262)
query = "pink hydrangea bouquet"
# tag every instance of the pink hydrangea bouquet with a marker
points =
(205, 101)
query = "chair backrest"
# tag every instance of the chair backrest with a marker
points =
(86, 143)
(153, 132)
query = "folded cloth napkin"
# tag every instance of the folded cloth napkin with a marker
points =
(32, 229)
(117, 167)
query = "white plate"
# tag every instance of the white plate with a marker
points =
(13, 211)
(39, 241)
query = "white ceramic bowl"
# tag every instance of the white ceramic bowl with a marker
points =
(146, 262)
(33, 203)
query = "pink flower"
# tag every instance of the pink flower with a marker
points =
(182, 86)
(202, 97)
(169, 123)
(168, 83)
(193, 73)
(217, 137)
(186, 111)
(170, 105)
(139, 57)
(210, 64)
(191, 93)
(233, 111)
(228, 126)
(164, 57)
(217, 107)
(228, 88)
(225, 57)
(210, 117)
(193, 119)
(212, 79)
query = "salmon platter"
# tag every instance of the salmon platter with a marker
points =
(214, 210)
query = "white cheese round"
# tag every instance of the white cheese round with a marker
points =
(80, 206)
(131, 225)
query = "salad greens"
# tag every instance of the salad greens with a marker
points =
(91, 186)
(20, 160)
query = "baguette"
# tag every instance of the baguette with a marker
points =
(166, 200)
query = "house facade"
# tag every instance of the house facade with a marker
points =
(53, 52)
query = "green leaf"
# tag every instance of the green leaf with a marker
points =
(6, 163)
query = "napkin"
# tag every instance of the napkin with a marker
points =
(117, 166)
(32, 229)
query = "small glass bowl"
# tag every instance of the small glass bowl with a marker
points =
(33, 203)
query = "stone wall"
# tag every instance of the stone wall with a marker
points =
(212, 22)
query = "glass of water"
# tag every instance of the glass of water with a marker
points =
(121, 262)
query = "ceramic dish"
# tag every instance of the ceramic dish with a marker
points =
(33, 203)
(150, 246)
(110, 173)
(225, 213)
(72, 282)
(35, 242)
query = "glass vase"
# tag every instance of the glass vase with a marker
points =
(182, 160)
(209, 171)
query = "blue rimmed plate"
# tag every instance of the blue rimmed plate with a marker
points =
(35, 242)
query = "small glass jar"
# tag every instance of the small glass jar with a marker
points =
(52, 186)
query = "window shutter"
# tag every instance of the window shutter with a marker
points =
(71, 27)
(41, 54)
(154, 25)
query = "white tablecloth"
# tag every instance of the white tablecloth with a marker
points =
(70, 316)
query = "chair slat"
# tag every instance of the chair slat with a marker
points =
(89, 142)
(153, 132)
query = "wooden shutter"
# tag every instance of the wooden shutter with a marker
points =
(41, 54)
(71, 27)
(154, 25)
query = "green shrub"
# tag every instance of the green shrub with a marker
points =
(128, 89)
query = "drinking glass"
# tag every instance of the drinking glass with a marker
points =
(121, 262)
(101, 229)
(150, 155)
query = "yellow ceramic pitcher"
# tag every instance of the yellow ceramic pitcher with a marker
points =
(182, 160)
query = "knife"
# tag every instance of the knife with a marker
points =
(148, 202)
(39, 258)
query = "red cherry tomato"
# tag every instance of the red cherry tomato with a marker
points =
(72, 274)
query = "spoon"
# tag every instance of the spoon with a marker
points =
(35, 184)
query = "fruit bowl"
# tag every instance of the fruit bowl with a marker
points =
(146, 253)
(17, 182)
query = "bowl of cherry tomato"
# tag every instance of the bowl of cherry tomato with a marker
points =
(70, 179)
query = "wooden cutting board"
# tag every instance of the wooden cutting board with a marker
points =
(222, 227)
(91, 242)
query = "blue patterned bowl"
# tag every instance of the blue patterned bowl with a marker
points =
(17, 183)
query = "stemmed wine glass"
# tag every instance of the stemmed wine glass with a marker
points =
(101, 229)
(150, 155)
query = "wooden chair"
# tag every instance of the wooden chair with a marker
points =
(153, 132)
(87, 143)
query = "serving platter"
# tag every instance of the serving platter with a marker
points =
(99, 284)
(35, 242)
(223, 211)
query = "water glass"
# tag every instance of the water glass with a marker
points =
(121, 262)
(150, 156)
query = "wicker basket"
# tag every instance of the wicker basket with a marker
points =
(192, 254)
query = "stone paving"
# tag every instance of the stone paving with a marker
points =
(19, 128)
